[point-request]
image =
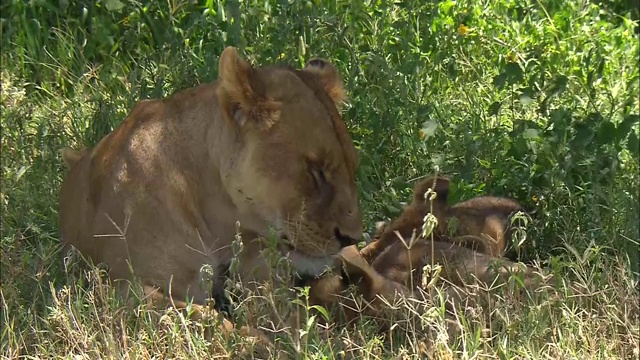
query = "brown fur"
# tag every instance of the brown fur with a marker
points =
(397, 270)
(162, 193)
(71, 157)
(482, 222)
(487, 218)
(392, 264)
(460, 264)
(411, 218)
(464, 269)
(330, 290)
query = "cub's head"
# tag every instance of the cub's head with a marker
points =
(294, 163)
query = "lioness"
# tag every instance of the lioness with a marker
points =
(481, 222)
(265, 146)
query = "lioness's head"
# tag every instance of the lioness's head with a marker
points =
(294, 167)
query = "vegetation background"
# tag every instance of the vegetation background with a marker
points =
(537, 100)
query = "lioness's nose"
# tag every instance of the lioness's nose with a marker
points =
(345, 240)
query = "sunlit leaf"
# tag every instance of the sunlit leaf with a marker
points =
(530, 134)
(113, 5)
(429, 128)
(321, 310)
(525, 99)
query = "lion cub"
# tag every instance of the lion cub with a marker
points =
(481, 222)
(352, 269)
(396, 271)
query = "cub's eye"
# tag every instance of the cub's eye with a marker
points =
(319, 177)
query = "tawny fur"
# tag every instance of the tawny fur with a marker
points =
(483, 217)
(397, 271)
(372, 287)
(162, 193)
(481, 222)
(460, 265)
(412, 216)
(392, 264)
(71, 157)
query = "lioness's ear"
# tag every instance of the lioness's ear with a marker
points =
(329, 78)
(71, 157)
(239, 92)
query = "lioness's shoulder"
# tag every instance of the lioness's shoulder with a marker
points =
(201, 98)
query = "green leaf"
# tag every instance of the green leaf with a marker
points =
(624, 128)
(429, 128)
(310, 321)
(525, 99)
(530, 134)
(584, 135)
(594, 119)
(113, 5)
(321, 310)
(499, 80)
(606, 132)
(392, 209)
(519, 148)
(494, 108)
(446, 6)
(633, 144)
(561, 117)
(484, 163)
(559, 85)
(398, 180)
(424, 110)
(513, 72)
(600, 68)
(21, 171)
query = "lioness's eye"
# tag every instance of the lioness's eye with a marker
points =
(318, 176)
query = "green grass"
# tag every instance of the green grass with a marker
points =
(537, 100)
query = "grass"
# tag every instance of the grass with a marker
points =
(536, 100)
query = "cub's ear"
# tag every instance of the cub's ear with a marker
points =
(239, 92)
(329, 78)
(440, 186)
